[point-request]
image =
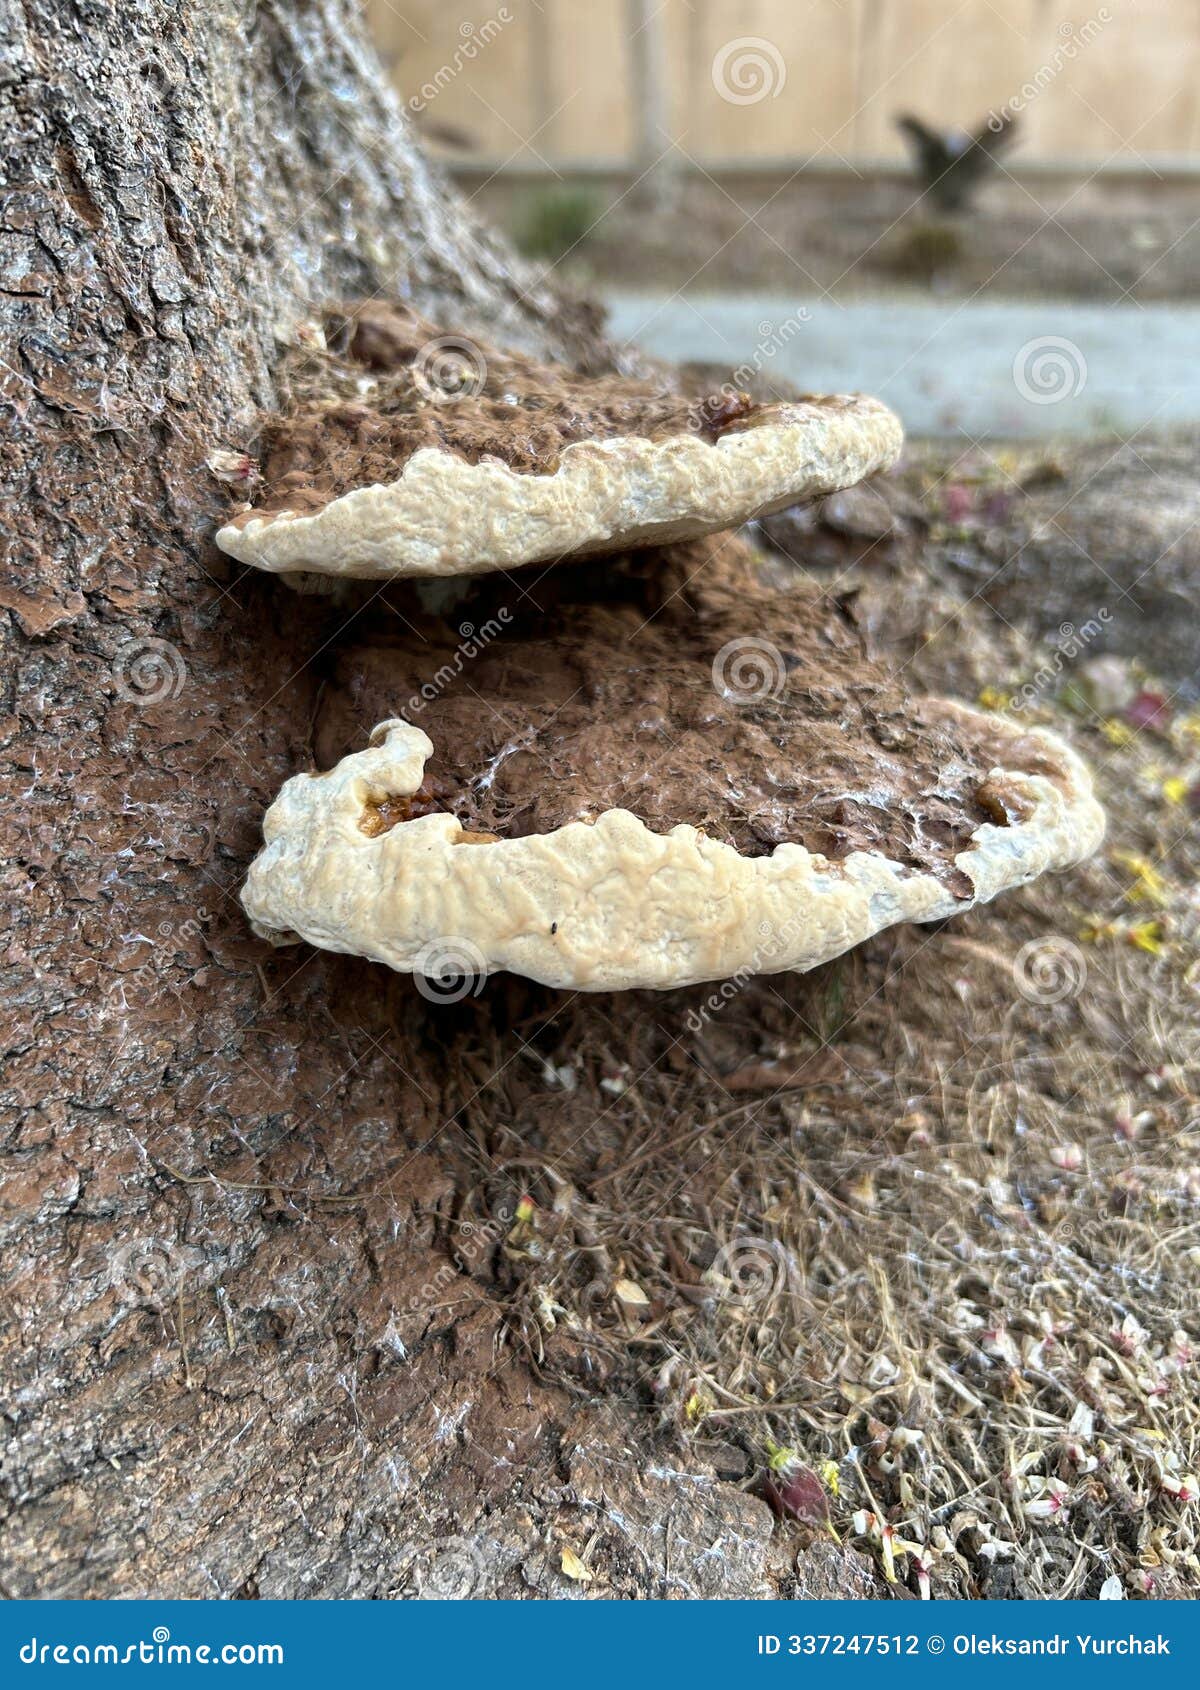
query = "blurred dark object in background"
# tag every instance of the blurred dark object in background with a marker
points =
(953, 165)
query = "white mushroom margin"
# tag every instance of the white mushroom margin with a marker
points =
(610, 905)
(446, 516)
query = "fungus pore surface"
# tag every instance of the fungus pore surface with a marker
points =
(755, 717)
(651, 790)
(403, 451)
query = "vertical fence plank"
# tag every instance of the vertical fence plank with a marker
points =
(1092, 77)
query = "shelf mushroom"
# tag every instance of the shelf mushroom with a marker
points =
(405, 452)
(725, 786)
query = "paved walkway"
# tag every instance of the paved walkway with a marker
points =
(1040, 369)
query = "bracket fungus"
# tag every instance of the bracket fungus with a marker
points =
(724, 785)
(406, 452)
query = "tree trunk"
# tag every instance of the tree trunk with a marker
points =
(253, 1338)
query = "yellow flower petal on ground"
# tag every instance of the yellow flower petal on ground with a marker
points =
(1148, 886)
(1092, 932)
(574, 1567)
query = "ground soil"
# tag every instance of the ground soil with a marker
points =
(531, 1271)
(1027, 237)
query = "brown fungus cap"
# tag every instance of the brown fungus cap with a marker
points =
(424, 454)
(603, 795)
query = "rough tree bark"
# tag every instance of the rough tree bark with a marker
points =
(238, 1354)
(185, 1381)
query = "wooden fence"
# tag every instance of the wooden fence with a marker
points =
(541, 83)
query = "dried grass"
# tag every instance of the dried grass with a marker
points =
(938, 1239)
